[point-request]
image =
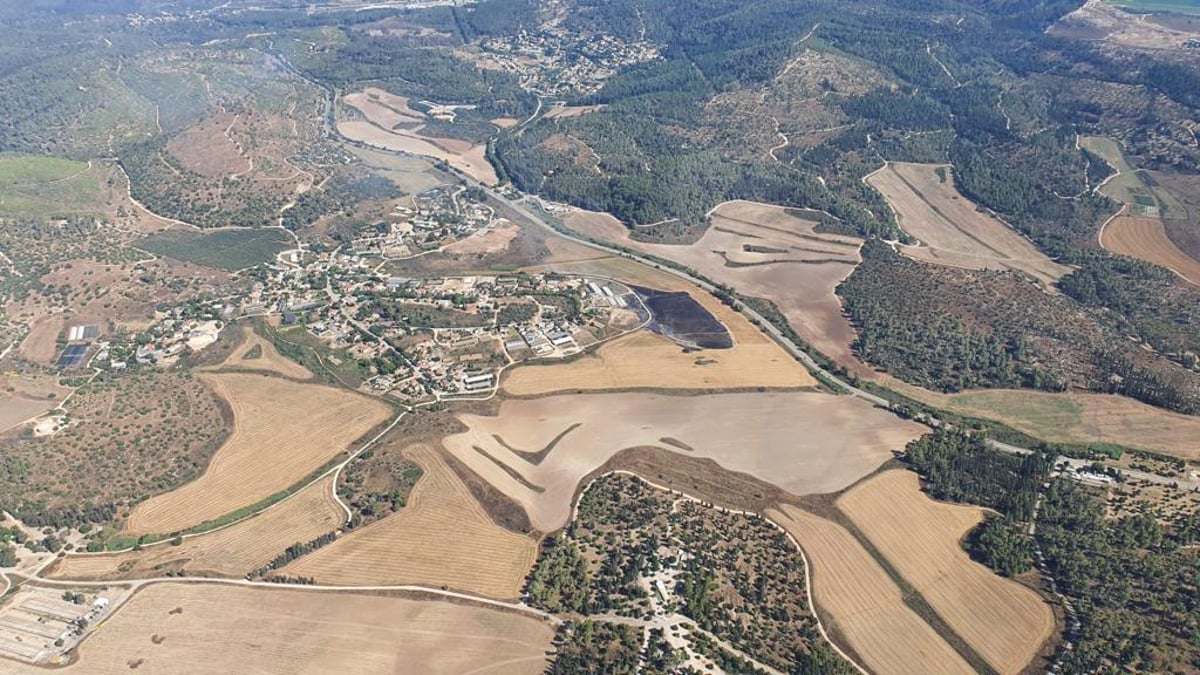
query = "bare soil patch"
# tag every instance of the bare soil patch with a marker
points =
(39, 346)
(24, 395)
(803, 442)
(172, 628)
(494, 240)
(951, 229)
(383, 108)
(1005, 622)
(208, 150)
(443, 537)
(230, 552)
(863, 605)
(283, 431)
(768, 252)
(1146, 239)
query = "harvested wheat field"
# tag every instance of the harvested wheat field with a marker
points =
(1146, 239)
(230, 552)
(537, 450)
(1073, 417)
(767, 252)
(268, 359)
(863, 605)
(1004, 622)
(442, 537)
(951, 229)
(40, 345)
(171, 628)
(646, 360)
(383, 108)
(461, 155)
(283, 431)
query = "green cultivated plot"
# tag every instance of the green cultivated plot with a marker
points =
(228, 249)
(33, 186)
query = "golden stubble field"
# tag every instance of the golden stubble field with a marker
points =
(537, 451)
(211, 629)
(283, 431)
(863, 604)
(230, 552)
(951, 229)
(443, 537)
(1004, 622)
(647, 361)
(763, 251)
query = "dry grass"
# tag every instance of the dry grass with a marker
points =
(26, 395)
(1003, 621)
(802, 442)
(951, 229)
(1073, 417)
(465, 156)
(442, 537)
(283, 431)
(494, 240)
(231, 552)
(1146, 239)
(649, 361)
(863, 605)
(644, 360)
(768, 252)
(39, 345)
(215, 629)
(269, 361)
(206, 149)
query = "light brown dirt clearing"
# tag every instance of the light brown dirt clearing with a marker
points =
(462, 155)
(283, 431)
(866, 607)
(442, 537)
(803, 442)
(1005, 622)
(1146, 239)
(172, 628)
(230, 552)
(768, 252)
(952, 231)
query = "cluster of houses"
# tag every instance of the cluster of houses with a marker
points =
(554, 61)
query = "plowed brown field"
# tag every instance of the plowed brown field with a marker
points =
(211, 629)
(865, 606)
(230, 552)
(1003, 621)
(283, 431)
(1146, 239)
(442, 537)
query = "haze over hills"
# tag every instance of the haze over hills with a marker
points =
(663, 336)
